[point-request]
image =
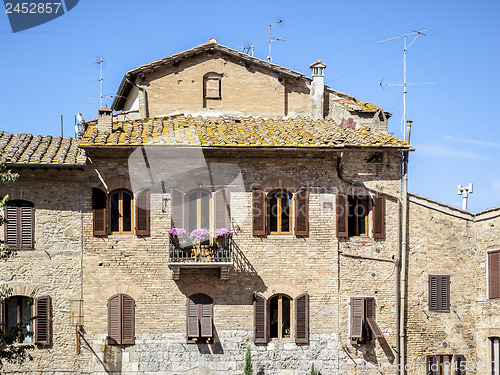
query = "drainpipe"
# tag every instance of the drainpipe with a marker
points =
(404, 250)
(144, 93)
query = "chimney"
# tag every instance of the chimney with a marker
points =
(105, 120)
(317, 93)
(379, 123)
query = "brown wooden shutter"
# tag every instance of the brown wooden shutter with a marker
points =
(260, 319)
(193, 326)
(460, 365)
(177, 208)
(27, 221)
(99, 211)
(114, 321)
(43, 326)
(357, 317)
(494, 275)
(127, 319)
(259, 212)
(444, 292)
(142, 213)
(370, 318)
(302, 319)
(378, 216)
(2, 318)
(302, 213)
(431, 365)
(12, 227)
(342, 215)
(433, 292)
(205, 312)
(221, 208)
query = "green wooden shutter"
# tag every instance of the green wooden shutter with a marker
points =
(114, 320)
(177, 208)
(342, 212)
(302, 319)
(206, 308)
(259, 212)
(142, 213)
(221, 209)
(260, 319)
(494, 274)
(378, 217)
(43, 326)
(99, 212)
(193, 326)
(127, 320)
(357, 317)
(302, 213)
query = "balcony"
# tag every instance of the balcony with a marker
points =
(213, 253)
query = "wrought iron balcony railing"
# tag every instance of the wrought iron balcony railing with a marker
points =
(212, 252)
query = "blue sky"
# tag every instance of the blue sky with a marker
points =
(455, 131)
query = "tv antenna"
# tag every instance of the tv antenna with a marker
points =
(101, 96)
(406, 84)
(249, 48)
(271, 39)
(465, 191)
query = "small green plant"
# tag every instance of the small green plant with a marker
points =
(248, 362)
(313, 370)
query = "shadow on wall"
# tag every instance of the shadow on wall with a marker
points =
(214, 347)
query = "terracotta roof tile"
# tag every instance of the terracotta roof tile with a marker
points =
(25, 148)
(236, 132)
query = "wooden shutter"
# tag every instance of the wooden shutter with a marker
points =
(494, 275)
(260, 319)
(378, 216)
(127, 319)
(433, 292)
(221, 208)
(27, 221)
(193, 327)
(206, 315)
(444, 292)
(302, 319)
(99, 211)
(177, 208)
(302, 213)
(357, 317)
(259, 212)
(43, 326)
(114, 321)
(431, 365)
(11, 228)
(142, 213)
(370, 317)
(2, 319)
(342, 212)
(460, 365)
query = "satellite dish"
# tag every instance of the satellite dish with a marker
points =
(80, 118)
(79, 126)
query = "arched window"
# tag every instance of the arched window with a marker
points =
(121, 203)
(279, 212)
(200, 309)
(280, 316)
(20, 228)
(121, 320)
(198, 203)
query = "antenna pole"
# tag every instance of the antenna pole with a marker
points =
(100, 79)
(270, 40)
(404, 83)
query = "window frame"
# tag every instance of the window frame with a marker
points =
(493, 266)
(18, 225)
(353, 201)
(121, 326)
(199, 215)
(439, 297)
(200, 338)
(369, 330)
(279, 218)
(280, 316)
(29, 336)
(120, 212)
(216, 77)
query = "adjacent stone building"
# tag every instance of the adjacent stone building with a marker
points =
(233, 203)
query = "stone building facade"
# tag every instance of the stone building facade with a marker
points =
(232, 203)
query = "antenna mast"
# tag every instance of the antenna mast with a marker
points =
(405, 84)
(100, 80)
(271, 39)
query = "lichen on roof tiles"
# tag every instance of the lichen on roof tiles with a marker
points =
(278, 132)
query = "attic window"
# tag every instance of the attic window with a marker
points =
(212, 86)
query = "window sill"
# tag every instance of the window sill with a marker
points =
(439, 311)
(281, 235)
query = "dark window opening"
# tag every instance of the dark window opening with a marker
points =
(280, 317)
(120, 218)
(358, 216)
(18, 317)
(278, 206)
